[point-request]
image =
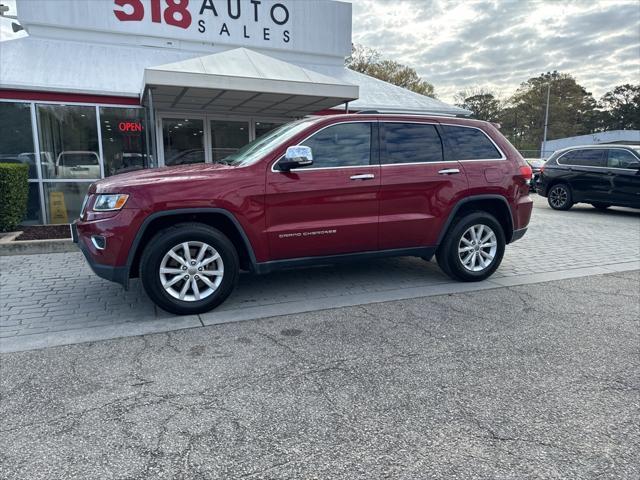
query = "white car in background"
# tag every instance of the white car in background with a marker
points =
(78, 164)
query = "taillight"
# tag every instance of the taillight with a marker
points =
(526, 172)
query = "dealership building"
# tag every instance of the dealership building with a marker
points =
(108, 86)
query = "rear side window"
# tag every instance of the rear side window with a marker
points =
(341, 145)
(411, 143)
(590, 157)
(618, 158)
(470, 144)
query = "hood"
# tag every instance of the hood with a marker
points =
(182, 173)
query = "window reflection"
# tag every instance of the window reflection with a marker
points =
(123, 133)
(68, 138)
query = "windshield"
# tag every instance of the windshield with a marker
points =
(255, 150)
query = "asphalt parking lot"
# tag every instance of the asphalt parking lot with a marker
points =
(535, 381)
(55, 299)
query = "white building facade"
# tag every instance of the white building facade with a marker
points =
(108, 86)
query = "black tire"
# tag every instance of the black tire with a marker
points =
(600, 206)
(447, 254)
(559, 197)
(167, 239)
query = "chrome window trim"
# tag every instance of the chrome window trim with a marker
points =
(311, 169)
(502, 155)
(596, 147)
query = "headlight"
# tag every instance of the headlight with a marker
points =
(106, 203)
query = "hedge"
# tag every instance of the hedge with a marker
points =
(14, 191)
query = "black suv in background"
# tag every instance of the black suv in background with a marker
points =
(602, 175)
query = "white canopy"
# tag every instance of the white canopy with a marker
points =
(245, 81)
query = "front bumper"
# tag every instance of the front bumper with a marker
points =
(518, 234)
(108, 272)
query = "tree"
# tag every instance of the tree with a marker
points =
(571, 110)
(370, 62)
(620, 108)
(482, 102)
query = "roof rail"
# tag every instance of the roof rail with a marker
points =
(367, 112)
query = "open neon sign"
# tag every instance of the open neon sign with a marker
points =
(130, 127)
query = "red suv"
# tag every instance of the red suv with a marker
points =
(315, 191)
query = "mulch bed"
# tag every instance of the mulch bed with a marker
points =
(45, 232)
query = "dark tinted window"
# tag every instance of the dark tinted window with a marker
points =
(342, 145)
(411, 143)
(583, 158)
(622, 159)
(469, 144)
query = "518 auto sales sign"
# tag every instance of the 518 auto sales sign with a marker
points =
(314, 26)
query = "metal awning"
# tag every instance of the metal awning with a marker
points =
(242, 81)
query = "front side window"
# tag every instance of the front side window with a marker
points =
(470, 144)
(411, 143)
(341, 145)
(591, 157)
(618, 158)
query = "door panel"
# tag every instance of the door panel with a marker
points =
(417, 187)
(332, 207)
(624, 174)
(589, 179)
(322, 212)
(414, 202)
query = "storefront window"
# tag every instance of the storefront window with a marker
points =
(68, 142)
(16, 136)
(262, 128)
(123, 139)
(63, 200)
(33, 215)
(183, 141)
(227, 138)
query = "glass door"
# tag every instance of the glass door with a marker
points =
(227, 137)
(183, 140)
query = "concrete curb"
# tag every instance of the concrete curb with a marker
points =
(8, 246)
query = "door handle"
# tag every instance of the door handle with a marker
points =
(449, 171)
(363, 176)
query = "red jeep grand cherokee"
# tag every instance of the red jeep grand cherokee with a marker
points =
(314, 191)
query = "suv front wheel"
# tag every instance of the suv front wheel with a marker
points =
(189, 268)
(473, 247)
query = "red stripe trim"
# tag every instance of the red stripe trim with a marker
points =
(65, 97)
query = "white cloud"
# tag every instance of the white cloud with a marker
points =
(500, 43)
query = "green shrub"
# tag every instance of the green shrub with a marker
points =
(14, 191)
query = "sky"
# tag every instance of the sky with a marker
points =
(497, 44)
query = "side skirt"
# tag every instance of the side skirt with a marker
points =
(272, 266)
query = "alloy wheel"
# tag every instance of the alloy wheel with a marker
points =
(477, 248)
(558, 196)
(191, 271)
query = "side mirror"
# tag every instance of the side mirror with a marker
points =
(297, 156)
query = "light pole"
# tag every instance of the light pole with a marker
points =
(546, 123)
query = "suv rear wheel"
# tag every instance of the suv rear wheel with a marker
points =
(189, 268)
(559, 197)
(473, 247)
